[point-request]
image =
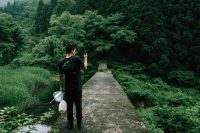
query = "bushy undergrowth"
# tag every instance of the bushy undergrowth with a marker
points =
(11, 120)
(164, 108)
(184, 78)
(17, 85)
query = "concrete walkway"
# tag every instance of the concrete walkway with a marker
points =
(106, 109)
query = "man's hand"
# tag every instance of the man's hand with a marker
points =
(85, 56)
(62, 89)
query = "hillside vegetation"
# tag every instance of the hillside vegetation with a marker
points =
(152, 46)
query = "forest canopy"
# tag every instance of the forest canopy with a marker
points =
(163, 34)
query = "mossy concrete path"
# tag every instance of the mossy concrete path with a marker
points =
(106, 109)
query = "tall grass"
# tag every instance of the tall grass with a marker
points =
(17, 85)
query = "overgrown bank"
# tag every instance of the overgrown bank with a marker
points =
(23, 90)
(25, 96)
(163, 107)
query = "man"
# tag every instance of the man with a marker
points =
(70, 83)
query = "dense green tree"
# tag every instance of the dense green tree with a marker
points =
(52, 5)
(23, 11)
(14, 8)
(48, 52)
(40, 25)
(67, 27)
(11, 39)
(64, 5)
(167, 30)
(93, 32)
(170, 25)
(106, 35)
(53, 2)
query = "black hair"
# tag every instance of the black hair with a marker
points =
(69, 47)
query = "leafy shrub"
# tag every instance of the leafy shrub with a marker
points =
(179, 98)
(11, 120)
(11, 38)
(48, 52)
(154, 69)
(142, 77)
(150, 119)
(179, 119)
(25, 59)
(184, 78)
(131, 68)
(139, 99)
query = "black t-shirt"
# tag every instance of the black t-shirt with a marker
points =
(71, 68)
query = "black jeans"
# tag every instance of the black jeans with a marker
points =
(74, 97)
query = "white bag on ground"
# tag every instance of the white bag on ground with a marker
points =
(62, 106)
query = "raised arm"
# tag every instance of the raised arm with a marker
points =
(85, 61)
